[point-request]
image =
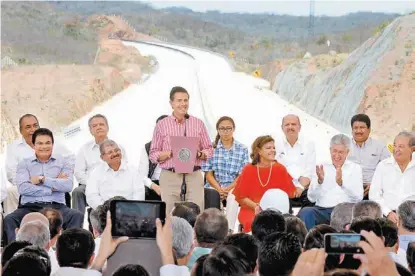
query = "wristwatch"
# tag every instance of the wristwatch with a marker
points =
(41, 179)
(199, 154)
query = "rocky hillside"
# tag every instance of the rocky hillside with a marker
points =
(378, 79)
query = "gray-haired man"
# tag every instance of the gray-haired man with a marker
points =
(337, 182)
(113, 177)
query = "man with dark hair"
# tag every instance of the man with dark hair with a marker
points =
(390, 235)
(24, 148)
(131, 270)
(266, 223)
(366, 151)
(296, 226)
(278, 253)
(179, 186)
(11, 249)
(211, 228)
(150, 170)
(410, 256)
(55, 223)
(186, 213)
(341, 216)
(367, 208)
(393, 180)
(89, 157)
(75, 248)
(42, 181)
(247, 244)
(226, 260)
(366, 223)
(31, 260)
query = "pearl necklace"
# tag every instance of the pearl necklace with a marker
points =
(269, 175)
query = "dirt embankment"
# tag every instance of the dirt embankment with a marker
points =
(60, 94)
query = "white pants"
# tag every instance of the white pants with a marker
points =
(12, 201)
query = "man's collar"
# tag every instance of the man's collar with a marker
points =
(123, 166)
(94, 144)
(299, 140)
(368, 141)
(52, 157)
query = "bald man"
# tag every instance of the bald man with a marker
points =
(298, 155)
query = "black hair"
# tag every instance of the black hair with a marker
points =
(29, 261)
(11, 249)
(186, 213)
(226, 260)
(55, 220)
(248, 244)
(74, 248)
(366, 223)
(199, 265)
(360, 118)
(177, 89)
(161, 118)
(389, 231)
(26, 116)
(410, 256)
(266, 223)
(131, 270)
(278, 252)
(41, 132)
(297, 227)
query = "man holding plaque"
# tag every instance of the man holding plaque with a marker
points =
(180, 143)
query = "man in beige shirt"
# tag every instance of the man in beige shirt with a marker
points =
(366, 151)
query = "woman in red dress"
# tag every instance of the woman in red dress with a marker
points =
(256, 178)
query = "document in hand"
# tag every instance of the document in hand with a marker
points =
(184, 151)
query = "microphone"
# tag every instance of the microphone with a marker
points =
(186, 116)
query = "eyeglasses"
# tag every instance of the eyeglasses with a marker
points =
(225, 129)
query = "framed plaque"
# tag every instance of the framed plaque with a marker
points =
(184, 151)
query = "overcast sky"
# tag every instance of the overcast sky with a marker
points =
(293, 7)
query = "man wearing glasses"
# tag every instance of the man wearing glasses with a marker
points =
(113, 177)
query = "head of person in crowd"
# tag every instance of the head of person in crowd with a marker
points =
(28, 124)
(402, 271)
(75, 248)
(98, 126)
(43, 141)
(211, 228)
(406, 215)
(131, 270)
(315, 239)
(98, 218)
(107, 203)
(390, 234)
(55, 223)
(225, 127)
(11, 249)
(197, 269)
(291, 127)
(341, 216)
(263, 150)
(32, 217)
(278, 252)
(182, 240)
(339, 149)
(111, 153)
(274, 199)
(226, 260)
(247, 244)
(403, 147)
(35, 232)
(179, 101)
(186, 213)
(266, 223)
(360, 124)
(296, 226)
(367, 208)
(410, 256)
(31, 260)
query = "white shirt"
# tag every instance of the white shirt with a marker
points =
(300, 160)
(329, 193)
(53, 261)
(174, 270)
(71, 271)
(87, 159)
(390, 186)
(3, 186)
(97, 245)
(143, 168)
(105, 183)
(19, 150)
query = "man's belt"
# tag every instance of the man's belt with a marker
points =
(195, 168)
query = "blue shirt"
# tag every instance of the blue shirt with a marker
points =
(227, 164)
(197, 252)
(51, 169)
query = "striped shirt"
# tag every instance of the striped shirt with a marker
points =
(169, 126)
(227, 164)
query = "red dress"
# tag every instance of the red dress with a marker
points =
(248, 186)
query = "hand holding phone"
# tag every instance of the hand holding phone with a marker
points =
(338, 243)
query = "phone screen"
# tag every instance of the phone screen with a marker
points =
(136, 219)
(342, 243)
